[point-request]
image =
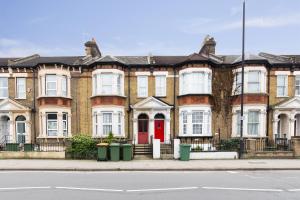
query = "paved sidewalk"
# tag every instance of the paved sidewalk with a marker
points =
(150, 165)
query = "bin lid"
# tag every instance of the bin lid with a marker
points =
(102, 144)
(114, 144)
(185, 145)
(126, 145)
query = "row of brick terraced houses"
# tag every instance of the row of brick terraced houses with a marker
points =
(145, 97)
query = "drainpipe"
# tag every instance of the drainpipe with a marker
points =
(174, 101)
(34, 106)
(129, 108)
(268, 105)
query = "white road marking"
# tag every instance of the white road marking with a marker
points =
(90, 189)
(232, 172)
(294, 190)
(163, 189)
(25, 188)
(243, 189)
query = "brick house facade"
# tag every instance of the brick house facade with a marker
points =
(145, 97)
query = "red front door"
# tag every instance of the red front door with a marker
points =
(159, 130)
(143, 131)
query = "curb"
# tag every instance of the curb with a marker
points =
(145, 170)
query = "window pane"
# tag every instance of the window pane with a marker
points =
(197, 117)
(3, 87)
(107, 82)
(142, 86)
(64, 86)
(197, 128)
(52, 116)
(21, 88)
(107, 117)
(160, 85)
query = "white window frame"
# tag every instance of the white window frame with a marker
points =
(20, 94)
(96, 124)
(108, 124)
(191, 83)
(107, 84)
(51, 120)
(142, 91)
(119, 127)
(257, 83)
(253, 123)
(238, 122)
(199, 123)
(184, 122)
(4, 88)
(65, 124)
(297, 91)
(160, 85)
(285, 86)
(64, 85)
(116, 83)
(46, 84)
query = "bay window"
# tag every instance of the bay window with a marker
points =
(142, 84)
(194, 122)
(254, 80)
(160, 85)
(107, 83)
(238, 123)
(3, 87)
(282, 85)
(195, 81)
(21, 88)
(108, 121)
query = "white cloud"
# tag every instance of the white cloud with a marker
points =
(18, 48)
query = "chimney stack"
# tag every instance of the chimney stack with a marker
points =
(91, 48)
(208, 46)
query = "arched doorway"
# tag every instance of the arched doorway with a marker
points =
(283, 126)
(297, 125)
(143, 129)
(4, 127)
(20, 129)
(159, 127)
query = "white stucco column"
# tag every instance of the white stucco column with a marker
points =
(135, 130)
(151, 129)
(275, 127)
(43, 125)
(291, 127)
(69, 125)
(12, 128)
(59, 125)
(167, 131)
(69, 87)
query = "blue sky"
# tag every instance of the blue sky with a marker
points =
(139, 27)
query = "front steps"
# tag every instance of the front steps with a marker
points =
(143, 151)
(166, 152)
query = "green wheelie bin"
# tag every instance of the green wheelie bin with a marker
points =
(127, 152)
(114, 150)
(185, 152)
(102, 151)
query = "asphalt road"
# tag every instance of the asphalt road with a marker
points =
(229, 185)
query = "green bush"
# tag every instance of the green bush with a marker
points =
(230, 144)
(82, 147)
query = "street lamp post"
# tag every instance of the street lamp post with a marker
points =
(242, 90)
